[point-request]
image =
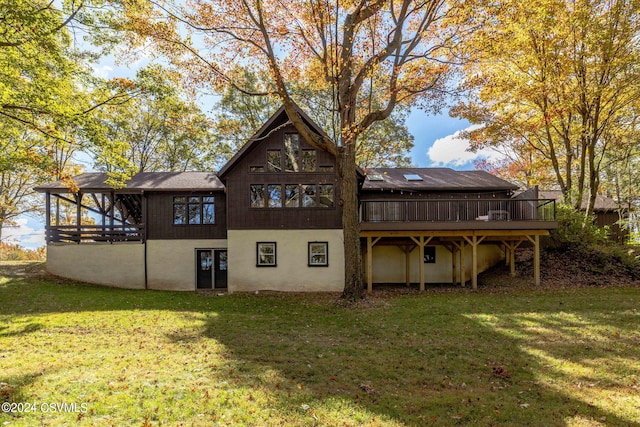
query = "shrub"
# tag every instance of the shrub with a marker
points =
(580, 237)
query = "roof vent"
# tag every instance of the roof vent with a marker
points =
(412, 177)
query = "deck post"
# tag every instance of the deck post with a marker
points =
(79, 215)
(474, 266)
(463, 269)
(454, 251)
(407, 264)
(536, 260)
(369, 265)
(421, 263)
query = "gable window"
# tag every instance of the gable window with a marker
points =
(274, 161)
(291, 152)
(318, 254)
(193, 210)
(308, 160)
(256, 196)
(266, 254)
(254, 169)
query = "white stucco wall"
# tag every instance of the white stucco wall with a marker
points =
(292, 272)
(389, 264)
(171, 264)
(119, 264)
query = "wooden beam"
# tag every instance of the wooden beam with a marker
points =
(407, 263)
(474, 241)
(369, 265)
(536, 258)
(453, 265)
(421, 262)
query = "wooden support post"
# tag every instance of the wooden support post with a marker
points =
(421, 263)
(407, 264)
(421, 242)
(369, 265)
(474, 241)
(536, 260)
(79, 215)
(370, 243)
(454, 251)
(463, 269)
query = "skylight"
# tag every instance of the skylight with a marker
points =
(375, 177)
(412, 177)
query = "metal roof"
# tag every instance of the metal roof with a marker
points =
(143, 181)
(603, 203)
(434, 179)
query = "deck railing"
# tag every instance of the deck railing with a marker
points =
(457, 210)
(94, 233)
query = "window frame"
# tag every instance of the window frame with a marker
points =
(259, 246)
(310, 254)
(187, 205)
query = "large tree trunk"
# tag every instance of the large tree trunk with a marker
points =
(353, 286)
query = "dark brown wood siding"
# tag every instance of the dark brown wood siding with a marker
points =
(239, 179)
(160, 218)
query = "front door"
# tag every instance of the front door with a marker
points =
(220, 258)
(204, 276)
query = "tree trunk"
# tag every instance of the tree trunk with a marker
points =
(353, 286)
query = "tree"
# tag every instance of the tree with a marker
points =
(238, 116)
(350, 49)
(155, 128)
(553, 80)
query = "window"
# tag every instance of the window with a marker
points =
(325, 196)
(292, 195)
(326, 168)
(308, 195)
(308, 160)
(274, 161)
(275, 195)
(266, 254)
(257, 196)
(256, 169)
(375, 177)
(318, 254)
(412, 177)
(194, 210)
(291, 152)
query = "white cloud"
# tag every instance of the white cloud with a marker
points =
(23, 234)
(453, 150)
(102, 71)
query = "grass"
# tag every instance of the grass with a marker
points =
(514, 358)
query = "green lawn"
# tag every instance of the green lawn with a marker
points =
(515, 357)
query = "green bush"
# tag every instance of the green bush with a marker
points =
(585, 241)
(576, 230)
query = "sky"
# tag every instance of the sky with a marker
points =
(437, 143)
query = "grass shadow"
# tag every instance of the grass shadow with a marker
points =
(419, 360)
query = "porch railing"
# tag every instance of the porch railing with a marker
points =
(456, 210)
(94, 233)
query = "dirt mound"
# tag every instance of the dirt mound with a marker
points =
(564, 269)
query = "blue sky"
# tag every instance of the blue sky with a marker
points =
(435, 145)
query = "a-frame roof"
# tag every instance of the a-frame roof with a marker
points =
(279, 118)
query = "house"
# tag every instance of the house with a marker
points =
(271, 219)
